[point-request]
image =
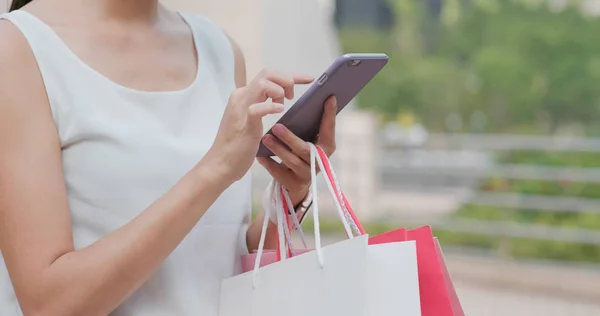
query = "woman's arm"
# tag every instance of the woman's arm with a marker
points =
(50, 277)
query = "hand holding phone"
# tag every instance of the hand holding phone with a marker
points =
(344, 79)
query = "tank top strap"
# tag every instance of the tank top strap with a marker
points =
(214, 49)
(48, 48)
(50, 53)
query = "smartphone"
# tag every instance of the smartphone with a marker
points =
(344, 79)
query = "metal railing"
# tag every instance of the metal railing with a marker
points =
(394, 167)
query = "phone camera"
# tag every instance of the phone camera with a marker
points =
(355, 62)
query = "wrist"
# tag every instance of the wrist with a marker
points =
(214, 171)
(299, 196)
(300, 200)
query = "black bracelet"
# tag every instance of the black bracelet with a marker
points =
(303, 206)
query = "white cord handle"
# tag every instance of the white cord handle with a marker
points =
(275, 204)
(269, 197)
(261, 243)
(281, 232)
(313, 184)
(294, 216)
(275, 189)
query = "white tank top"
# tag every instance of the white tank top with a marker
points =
(123, 148)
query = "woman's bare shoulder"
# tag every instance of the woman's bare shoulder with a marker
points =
(19, 70)
(14, 48)
(16, 56)
(21, 85)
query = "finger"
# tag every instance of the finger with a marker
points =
(291, 160)
(258, 110)
(303, 79)
(287, 82)
(262, 89)
(295, 143)
(278, 171)
(327, 129)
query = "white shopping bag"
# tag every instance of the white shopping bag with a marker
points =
(347, 278)
(392, 280)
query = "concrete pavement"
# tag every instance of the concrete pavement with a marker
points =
(491, 301)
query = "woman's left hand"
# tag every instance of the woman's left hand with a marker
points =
(293, 173)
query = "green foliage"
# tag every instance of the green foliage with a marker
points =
(523, 65)
(523, 248)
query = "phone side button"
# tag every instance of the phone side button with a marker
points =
(322, 79)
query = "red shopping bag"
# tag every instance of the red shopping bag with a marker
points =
(438, 296)
(393, 236)
(437, 293)
(456, 307)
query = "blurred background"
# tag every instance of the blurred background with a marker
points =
(485, 124)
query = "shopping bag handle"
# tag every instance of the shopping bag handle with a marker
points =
(315, 159)
(346, 213)
(283, 209)
(289, 211)
(338, 194)
(275, 194)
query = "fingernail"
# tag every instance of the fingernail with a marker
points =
(268, 140)
(333, 103)
(278, 129)
(279, 107)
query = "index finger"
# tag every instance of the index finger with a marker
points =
(287, 82)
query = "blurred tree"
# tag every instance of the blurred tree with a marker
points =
(529, 61)
(522, 63)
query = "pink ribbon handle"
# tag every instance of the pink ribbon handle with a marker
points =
(339, 195)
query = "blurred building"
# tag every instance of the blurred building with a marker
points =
(373, 13)
(360, 13)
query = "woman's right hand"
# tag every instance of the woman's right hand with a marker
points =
(241, 129)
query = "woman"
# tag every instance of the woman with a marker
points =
(126, 135)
